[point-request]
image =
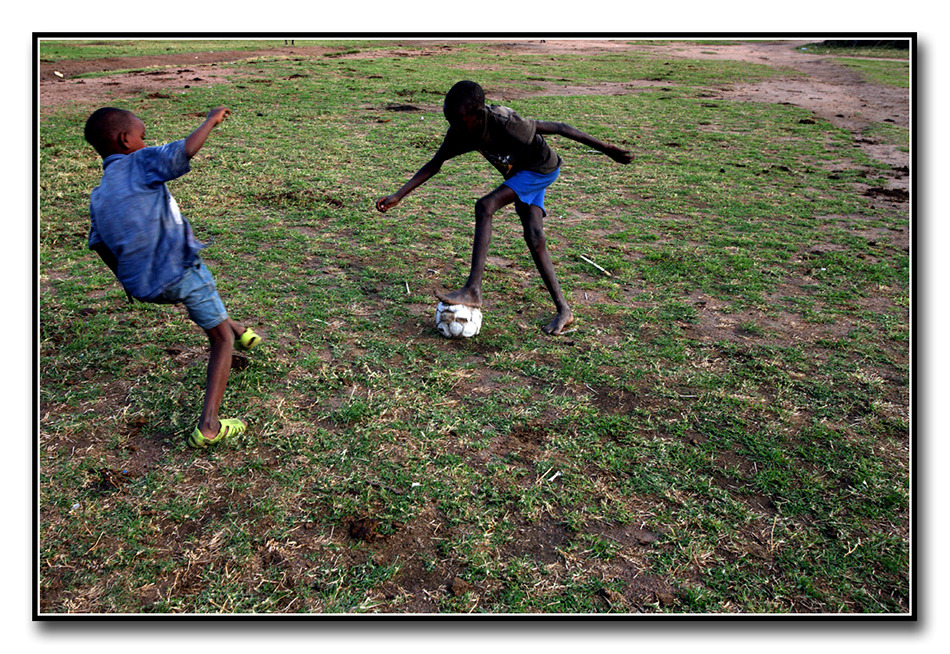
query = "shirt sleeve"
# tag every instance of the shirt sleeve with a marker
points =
(162, 163)
(453, 145)
(520, 129)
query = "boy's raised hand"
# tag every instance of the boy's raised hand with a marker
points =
(197, 138)
(217, 115)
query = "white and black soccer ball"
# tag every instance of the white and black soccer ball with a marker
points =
(457, 320)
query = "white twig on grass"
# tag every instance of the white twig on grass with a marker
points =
(594, 265)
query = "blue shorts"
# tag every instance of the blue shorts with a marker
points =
(197, 291)
(530, 186)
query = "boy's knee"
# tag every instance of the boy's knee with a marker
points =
(220, 334)
(534, 237)
(484, 208)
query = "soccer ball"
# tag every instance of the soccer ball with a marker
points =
(457, 320)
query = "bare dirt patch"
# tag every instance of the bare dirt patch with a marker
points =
(163, 83)
(62, 82)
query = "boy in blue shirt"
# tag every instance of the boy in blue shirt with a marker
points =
(138, 230)
(517, 149)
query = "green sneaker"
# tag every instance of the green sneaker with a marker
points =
(229, 427)
(248, 340)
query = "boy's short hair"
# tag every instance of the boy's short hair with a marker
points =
(463, 98)
(104, 124)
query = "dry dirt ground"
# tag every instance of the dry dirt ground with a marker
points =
(833, 92)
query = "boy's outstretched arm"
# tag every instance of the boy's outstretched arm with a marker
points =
(197, 138)
(431, 167)
(616, 153)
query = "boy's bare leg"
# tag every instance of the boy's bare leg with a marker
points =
(219, 367)
(236, 328)
(532, 219)
(471, 294)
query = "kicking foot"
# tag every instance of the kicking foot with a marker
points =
(248, 340)
(463, 296)
(229, 427)
(559, 322)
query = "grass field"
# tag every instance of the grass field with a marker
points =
(725, 430)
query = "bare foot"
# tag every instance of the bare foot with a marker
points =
(559, 322)
(464, 296)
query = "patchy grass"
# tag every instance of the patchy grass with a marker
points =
(725, 430)
(875, 50)
(892, 73)
(74, 49)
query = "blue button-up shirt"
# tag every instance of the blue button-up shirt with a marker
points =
(134, 215)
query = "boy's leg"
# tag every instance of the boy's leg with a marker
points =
(532, 219)
(198, 292)
(236, 328)
(219, 367)
(244, 337)
(485, 208)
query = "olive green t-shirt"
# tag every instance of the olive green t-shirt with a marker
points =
(508, 141)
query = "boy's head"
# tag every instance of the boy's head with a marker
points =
(464, 104)
(115, 131)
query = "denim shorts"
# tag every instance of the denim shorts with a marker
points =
(197, 291)
(530, 186)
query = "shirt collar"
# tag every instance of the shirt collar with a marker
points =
(112, 158)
